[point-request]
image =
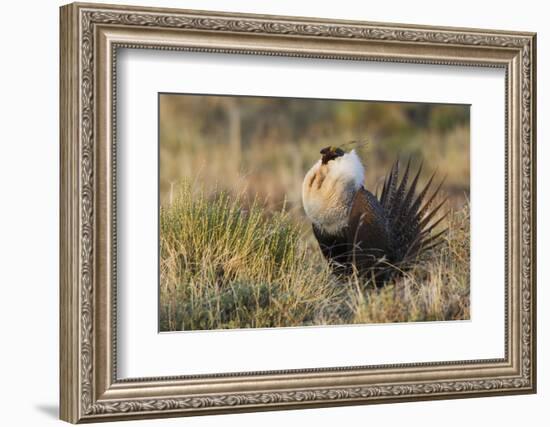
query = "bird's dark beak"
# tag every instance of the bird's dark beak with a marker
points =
(330, 153)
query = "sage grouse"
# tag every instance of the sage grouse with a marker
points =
(364, 233)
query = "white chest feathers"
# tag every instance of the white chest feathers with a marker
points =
(328, 191)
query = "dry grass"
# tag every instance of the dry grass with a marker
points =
(227, 262)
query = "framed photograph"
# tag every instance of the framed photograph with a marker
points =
(265, 212)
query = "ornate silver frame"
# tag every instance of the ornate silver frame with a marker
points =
(90, 36)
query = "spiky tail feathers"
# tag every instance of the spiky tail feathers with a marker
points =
(413, 219)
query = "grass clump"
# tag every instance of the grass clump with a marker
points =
(225, 266)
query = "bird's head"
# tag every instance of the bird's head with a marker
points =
(330, 153)
(329, 186)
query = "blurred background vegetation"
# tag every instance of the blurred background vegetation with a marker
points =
(266, 145)
(236, 248)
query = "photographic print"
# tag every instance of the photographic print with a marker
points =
(310, 211)
(286, 212)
